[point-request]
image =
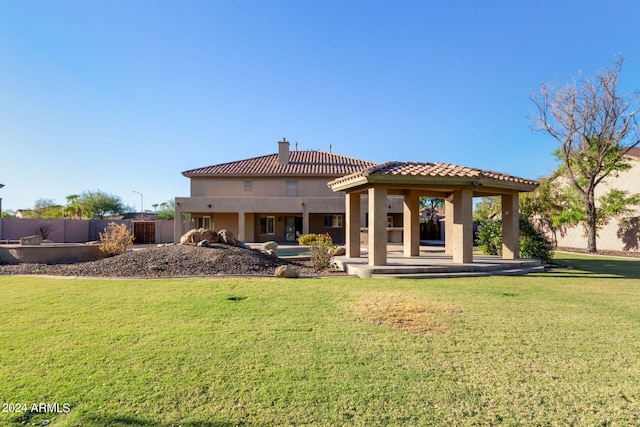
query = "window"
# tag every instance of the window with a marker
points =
(389, 221)
(268, 225)
(248, 186)
(203, 222)
(333, 221)
(292, 189)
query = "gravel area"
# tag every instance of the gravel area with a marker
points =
(172, 261)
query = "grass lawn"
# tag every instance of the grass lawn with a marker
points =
(555, 348)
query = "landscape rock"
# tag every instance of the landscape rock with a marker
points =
(269, 245)
(31, 240)
(340, 250)
(188, 237)
(203, 244)
(171, 261)
(194, 236)
(227, 237)
(271, 253)
(287, 272)
(210, 236)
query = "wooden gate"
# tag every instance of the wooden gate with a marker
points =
(144, 232)
(429, 231)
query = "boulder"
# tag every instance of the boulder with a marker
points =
(227, 237)
(192, 236)
(210, 236)
(340, 250)
(287, 272)
(31, 240)
(269, 245)
(270, 252)
(203, 243)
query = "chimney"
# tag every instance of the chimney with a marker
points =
(283, 151)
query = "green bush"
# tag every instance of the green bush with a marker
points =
(533, 244)
(308, 239)
(490, 237)
(322, 250)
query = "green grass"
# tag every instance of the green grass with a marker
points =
(556, 348)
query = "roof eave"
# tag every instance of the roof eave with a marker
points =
(360, 181)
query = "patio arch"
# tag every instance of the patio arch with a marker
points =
(456, 184)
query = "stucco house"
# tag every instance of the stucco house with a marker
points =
(273, 197)
(622, 234)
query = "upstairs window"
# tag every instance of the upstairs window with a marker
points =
(292, 189)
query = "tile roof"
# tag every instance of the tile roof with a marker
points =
(634, 152)
(317, 163)
(435, 170)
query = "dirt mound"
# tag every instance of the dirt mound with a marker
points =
(170, 261)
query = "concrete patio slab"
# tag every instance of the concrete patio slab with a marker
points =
(434, 263)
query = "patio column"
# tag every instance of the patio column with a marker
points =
(411, 224)
(377, 226)
(305, 221)
(462, 226)
(448, 225)
(177, 223)
(510, 226)
(241, 227)
(352, 231)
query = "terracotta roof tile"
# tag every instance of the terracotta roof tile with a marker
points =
(432, 170)
(300, 163)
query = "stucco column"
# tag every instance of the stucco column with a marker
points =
(462, 226)
(377, 226)
(448, 225)
(352, 225)
(242, 234)
(305, 221)
(177, 224)
(411, 224)
(510, 226)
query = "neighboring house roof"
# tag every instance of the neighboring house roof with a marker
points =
(634, 152)
(431, 173)
(301, 163)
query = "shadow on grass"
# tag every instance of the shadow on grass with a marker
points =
(587, 266)
(124, 421)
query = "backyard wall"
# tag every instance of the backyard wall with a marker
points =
(618, 235)
(73, 230)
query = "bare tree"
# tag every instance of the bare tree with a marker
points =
(596, 127)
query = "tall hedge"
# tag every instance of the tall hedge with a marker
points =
(533, 244)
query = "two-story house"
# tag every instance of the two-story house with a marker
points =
(619, 234)
(273, 197)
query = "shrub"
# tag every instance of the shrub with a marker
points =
(490, 237)
(533, 244)
(116, 239)
(308, 239)
(322, 250)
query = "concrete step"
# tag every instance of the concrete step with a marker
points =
(449, 274)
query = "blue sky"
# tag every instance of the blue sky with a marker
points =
(123, 96)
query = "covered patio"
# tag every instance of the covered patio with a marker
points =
(457, 185)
